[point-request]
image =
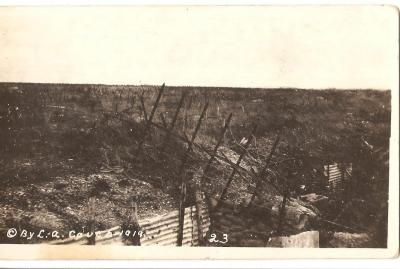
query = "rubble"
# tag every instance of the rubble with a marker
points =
(308, 239)
(350, 240)
(298, 216)
(254, 225)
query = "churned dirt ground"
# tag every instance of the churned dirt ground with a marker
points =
(62, 144)
(61, 202)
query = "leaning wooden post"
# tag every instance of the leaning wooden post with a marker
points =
(150, 119)
(131, 228)
(92, 221)
(182, 201)
(199, 214)
(183, 178)
(115, 103)
(282, 211)
(135, 224)
(133, 100)
(143, 108)
(286, 196)
(174, 119)
(199, 185)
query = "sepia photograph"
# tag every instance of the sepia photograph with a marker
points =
(215, 129)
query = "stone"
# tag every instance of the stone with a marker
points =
(297, 217)
(309, 239)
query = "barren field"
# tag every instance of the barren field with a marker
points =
(62, 144)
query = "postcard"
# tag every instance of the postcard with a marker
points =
(199, 132)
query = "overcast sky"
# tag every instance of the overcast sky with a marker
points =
(305, 47)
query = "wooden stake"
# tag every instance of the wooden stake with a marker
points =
(143, 108)
(92, 220)
(150, 119)
(135, 224)
(199, 215)
(183, 178)
(282, 212)
(174, 119)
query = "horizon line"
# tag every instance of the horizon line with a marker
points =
(192, 86)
